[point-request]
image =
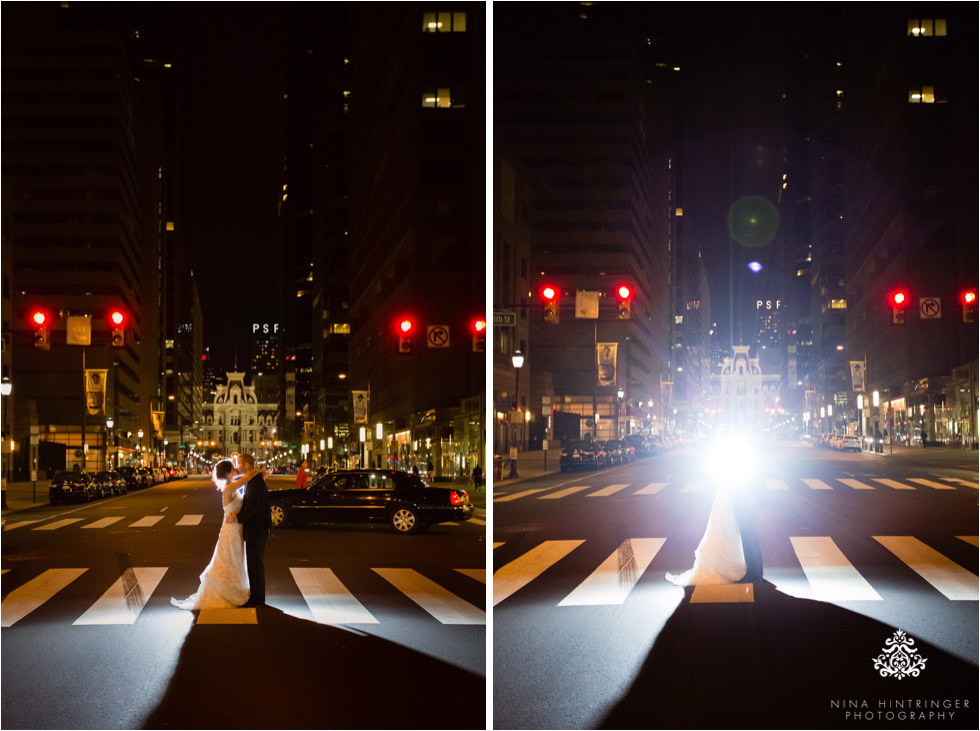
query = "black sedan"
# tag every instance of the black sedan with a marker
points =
(582, 454)
(73, 486)
(400, 499)
(110, 483)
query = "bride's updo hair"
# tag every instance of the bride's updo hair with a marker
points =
(222, 471)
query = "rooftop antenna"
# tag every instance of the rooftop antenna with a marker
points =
(236, 358)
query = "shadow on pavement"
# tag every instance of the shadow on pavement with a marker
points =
(287, 673)
(783, 662)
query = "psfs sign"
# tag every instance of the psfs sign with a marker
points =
(768, 304)
(265, 328)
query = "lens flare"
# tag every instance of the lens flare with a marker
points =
(754, 267)
(753, 221)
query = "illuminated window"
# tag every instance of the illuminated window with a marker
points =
(168, 343)
(443, 22)
(838, 304)
(679, 212)
(442, 98)
(340, 328)
(678, 319)
(918, 27)
(170, 225)
(923, 95)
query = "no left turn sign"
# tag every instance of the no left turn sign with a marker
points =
(438, 336)
(930, 308)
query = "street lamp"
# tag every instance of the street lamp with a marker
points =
(619, 408)
(517, 360)
(140, 435)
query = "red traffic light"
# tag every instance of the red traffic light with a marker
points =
(405, 326)
(117, 317)
(39, 318)
(969, 297)
(479, 325)
(898, 298)
(624, 292)
(549, 292)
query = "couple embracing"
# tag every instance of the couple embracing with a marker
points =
(236, 575)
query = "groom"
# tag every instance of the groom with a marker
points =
(256, 529)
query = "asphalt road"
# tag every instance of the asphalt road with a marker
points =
(90, 639)
(588, 633)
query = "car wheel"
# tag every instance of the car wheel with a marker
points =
(405, 520)
(278, 514)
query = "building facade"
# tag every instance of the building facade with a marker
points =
(239, 421)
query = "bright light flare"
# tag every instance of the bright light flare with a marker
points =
(405, 326)
(754, 267)
(117, 318)
(39, 318)
(548, 292)
(732, 462)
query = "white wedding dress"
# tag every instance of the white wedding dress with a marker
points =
(224, 583)
(719, 558)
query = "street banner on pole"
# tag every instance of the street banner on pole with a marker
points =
(95, 390)
(586, 305)
(858, 370)
(362, 400)
(156, 418)
(606, 362)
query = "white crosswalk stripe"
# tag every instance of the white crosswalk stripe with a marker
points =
(776, 485)
(19, 524)
(894, 484)
(190, 520)
(607, 491)
(58, 524)
(651, 489)
(518, 495)
(524, 569)
(931, 483)
(817, 485)
(26, 598)
(970, 539)
(832, 577)
(149, 520)
(125, 599)
(615, 577)
(958, 481)
(564, 493)
(950, 579)
(856, 484)
(693, 487)
(103, 522)
(478, 574)
(328, 599)
(437, 601)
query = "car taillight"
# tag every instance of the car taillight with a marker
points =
(455, 499)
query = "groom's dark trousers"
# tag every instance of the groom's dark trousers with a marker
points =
(256, 529)
(746, 513)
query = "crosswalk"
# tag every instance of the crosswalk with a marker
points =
(152, 521)
(822, 566)
(582, 489)
(325, 595)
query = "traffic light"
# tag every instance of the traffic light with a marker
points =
(969, 300)
(479, 336)
(550, 296)
(118, 321)
(42, 338)
(405, 328)
(625, 294)
(898, 300)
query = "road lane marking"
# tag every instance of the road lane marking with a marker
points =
(818, 485)
(517, 495)
(498, 543)
(125, 599)
(478, 574)
(776, 485)
(930, 483)
(190, 520)
(437, 601)
(59, 524)
(969, 539)
(950, 579)
(448, 522)
(832, 577)
(958, 481)
(722, 594)
(231, 615)
(163, 510)
(607, 491)
(615, 577)
(652, 489)
(328, 599)
(892, 483)
(564, 493)
(25, 599)
(856, 484)
(19, 524)
(147, 521)
(693, 487)
(103, 522)
(478, 521)
(526, 568)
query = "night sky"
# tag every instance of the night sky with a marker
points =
(230, 66)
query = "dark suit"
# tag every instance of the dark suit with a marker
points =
(256, 529)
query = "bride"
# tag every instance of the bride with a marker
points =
(224, 583)
(719, 558)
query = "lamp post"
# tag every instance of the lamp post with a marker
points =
(109, 433)
(140, 435)
(619, 408)
(517, 360)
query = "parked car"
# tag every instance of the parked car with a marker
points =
(618, 451)
(110, 483)
(401, 499)
(72, 486)
(849, 443)
(145, 476)
(642, 446)
(578, 454)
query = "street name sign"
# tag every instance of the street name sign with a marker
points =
(504, 319)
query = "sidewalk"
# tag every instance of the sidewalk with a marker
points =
(18, 495)
(948, 457)
(529, 465)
